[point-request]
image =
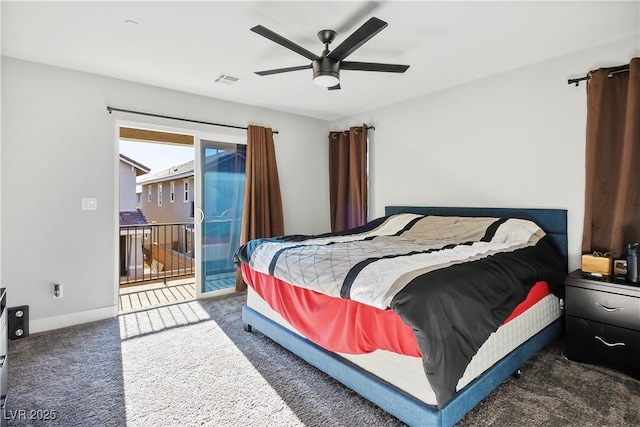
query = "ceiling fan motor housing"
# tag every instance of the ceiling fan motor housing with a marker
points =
(326, 36)
(326, 67)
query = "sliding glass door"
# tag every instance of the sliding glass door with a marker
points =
(222, 170)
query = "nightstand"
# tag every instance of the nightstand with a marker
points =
(603, 322)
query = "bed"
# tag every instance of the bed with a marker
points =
(393, 373)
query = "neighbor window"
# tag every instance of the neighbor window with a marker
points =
(149, 195)
(172, 192)
(186, 191)
(159, 194)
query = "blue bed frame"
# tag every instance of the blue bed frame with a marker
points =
(388, 397)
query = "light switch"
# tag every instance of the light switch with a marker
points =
(89, 204)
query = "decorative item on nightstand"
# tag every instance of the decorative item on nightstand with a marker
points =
(620, 267)
(597, 263)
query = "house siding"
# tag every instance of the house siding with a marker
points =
(128, 199)
(169, 212)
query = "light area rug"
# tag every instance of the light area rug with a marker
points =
(192, 364)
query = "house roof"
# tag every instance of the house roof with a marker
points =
(140, 168)
(136, 217)
(184, 170)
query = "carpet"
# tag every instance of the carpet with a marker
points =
(192, 364)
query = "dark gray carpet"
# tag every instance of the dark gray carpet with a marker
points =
(192, 364)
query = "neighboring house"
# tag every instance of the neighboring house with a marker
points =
(167, 197)
(130, 170)
(131, 257)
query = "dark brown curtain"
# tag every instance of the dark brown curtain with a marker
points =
(612, 196)
(262, 211)
(348, 178)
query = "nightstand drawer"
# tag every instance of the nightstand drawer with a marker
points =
(605, 307)
(595, 342)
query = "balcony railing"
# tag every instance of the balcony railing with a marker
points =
(152, 252)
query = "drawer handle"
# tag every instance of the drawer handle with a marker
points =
(615, 344)
(610, 310)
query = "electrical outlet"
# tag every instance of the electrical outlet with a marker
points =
(57, 291)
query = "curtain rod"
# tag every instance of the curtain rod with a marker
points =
(346, 132)
(610, 74)
(110, 109)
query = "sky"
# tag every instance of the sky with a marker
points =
(157, 157)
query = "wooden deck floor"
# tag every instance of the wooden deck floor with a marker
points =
(154, 294)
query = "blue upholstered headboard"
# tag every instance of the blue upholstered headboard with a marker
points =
(552, 221)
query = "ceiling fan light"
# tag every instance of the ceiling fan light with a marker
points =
(326, 72)
(326, 80)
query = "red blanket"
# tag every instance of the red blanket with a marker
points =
(346, 326)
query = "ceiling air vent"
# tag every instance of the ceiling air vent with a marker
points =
(226, 79)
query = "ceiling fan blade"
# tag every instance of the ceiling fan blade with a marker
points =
(265, 32)
(359, 37)
(365, 9)
(336, 87)
(283, 70)
(373, 66)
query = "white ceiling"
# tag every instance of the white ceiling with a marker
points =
(187, 45)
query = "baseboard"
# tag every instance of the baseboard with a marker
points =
(71, 319)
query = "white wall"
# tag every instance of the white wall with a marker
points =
(510, 140)
(58, 146)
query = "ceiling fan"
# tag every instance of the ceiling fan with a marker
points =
(326, 67)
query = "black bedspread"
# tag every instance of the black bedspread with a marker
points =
(454, 310)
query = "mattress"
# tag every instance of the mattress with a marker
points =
(407, 372)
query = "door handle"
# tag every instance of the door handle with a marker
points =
(200, 215)
(615, 344)
(608, 309)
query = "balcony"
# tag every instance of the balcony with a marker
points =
(156, 252)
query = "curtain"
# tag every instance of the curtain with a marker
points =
(348, 178)
(262, 214)
(612, 194)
